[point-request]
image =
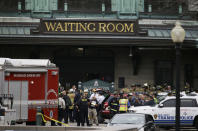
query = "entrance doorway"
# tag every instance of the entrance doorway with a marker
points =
(84, 64)
(164, 73)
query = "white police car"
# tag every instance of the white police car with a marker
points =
(164, 112)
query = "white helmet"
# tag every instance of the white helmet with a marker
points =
(71, 90)
(86, 90)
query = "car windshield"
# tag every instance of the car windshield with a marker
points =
(128, 119)
(161, 97)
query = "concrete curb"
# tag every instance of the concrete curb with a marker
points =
(45, 128)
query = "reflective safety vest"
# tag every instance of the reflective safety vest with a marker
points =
(114, 107)
(71, 96)
(156, 101)
(123, 105)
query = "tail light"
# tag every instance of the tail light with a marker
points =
(105, 105)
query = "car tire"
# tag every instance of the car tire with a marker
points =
(28, 123)
(196, 123)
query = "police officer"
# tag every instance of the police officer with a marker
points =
(83, 108)
(114, 105)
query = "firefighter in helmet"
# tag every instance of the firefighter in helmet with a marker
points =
(114, 104)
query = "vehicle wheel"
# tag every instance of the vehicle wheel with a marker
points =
(13, 122)
(30, 123)
(196, 123)
(100, 118)
(19, 122)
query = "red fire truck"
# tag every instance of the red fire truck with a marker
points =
(33, 83)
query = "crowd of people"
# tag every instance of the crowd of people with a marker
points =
(83, 107)
(138, 95)
(78, 106)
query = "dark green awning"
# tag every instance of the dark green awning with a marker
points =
(166, 33)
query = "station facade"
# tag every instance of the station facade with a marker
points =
(122, 41)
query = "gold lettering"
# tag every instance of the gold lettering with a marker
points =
(93, 27)
(127, 28)
(121, 29)
(71, 26)
(84, 27)
(50, 26)
(77, 27)
(59, 27)
(109, 29)
(66, 27)
(102, 27)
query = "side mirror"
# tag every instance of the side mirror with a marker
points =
(149, 124)
(161, 105)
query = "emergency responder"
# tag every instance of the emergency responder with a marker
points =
(76, 108)
(67, 104)
(83, 108)
(93, 104)
(94, 94)
(71, 95)
(187, 88)
(150, 101)
(74, 88)
(124, 104)
(155, 98)
(114, 104)
(130, 98)
(61, 108)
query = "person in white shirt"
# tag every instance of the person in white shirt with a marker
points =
(100, 100)
(100, 97)
(61, 108)
(94, 94)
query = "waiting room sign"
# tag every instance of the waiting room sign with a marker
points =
(77, 26)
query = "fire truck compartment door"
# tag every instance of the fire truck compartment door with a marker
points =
(19, 89)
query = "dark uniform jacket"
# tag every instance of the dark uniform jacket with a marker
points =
(114, 104)
(83, 103)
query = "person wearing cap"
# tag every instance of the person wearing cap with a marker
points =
(130, 95)
(114, 104)
(94, 94)
(71, 95)
(83, 109)
(93, 104)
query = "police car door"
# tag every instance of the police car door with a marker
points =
(187, 111)
(165, 113)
